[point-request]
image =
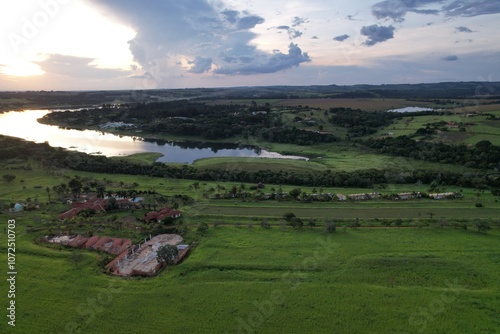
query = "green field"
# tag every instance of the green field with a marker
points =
(410, 266)
(476, 128)
(268, 281)
(253, 164)
(141, 158)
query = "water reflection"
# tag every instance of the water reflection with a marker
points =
(25, 125)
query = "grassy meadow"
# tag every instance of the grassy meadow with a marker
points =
(252, 280)
(429, 275)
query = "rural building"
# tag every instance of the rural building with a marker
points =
(341, 197)
(448, 195)
(159, 216)
(412, 195)
(98, 205)
(95, 204)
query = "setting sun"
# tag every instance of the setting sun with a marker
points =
(21, 69)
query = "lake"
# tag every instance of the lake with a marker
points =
(25, 125)
(411, 109)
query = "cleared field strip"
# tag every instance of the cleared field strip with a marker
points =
(349, 212)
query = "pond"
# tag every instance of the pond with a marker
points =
(25, 125)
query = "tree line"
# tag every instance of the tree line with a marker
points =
(361, 123)
(50, 158)
(483, 155)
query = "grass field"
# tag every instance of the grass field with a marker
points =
(477, 128)
(254, 164)
(364, 104)
(241, 278)
(268, 281)
(141, 158)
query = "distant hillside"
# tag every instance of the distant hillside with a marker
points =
(61, 99)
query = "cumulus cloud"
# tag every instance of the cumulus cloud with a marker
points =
(197, 36)
(377, 34)
(200, 64)
(267, 63)
(341, 38)
(450, 58)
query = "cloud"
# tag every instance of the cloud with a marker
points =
(291, 30)
(200, 64)
(175, 38)
(450, 58)
(77, 67)
(463, 29)
(377, 34)
(315, 37)
(397, 10)
(341, 38)
(298, 21)
(249, 22)
(268, 64)
(470, 8)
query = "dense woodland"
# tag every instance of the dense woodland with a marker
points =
(483, 155)
(199, 120)
(361, 123)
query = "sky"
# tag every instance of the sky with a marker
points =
(148, 44)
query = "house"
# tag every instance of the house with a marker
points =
(405, 196)
(358, 197)
(448, 195)
(341, 197)
(374, 195)
(159, 216)
(95, 204)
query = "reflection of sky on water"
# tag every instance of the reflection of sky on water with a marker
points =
(24, 125)
(411, 109)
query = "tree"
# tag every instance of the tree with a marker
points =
(288, 216)
(167, 254)
(296, 222)
(76, 186)
(76, 257)
(295, 192)
(482, 227)
(112, 204)
(202, 227)
(330, 227)
(265, 223)
(311, 223)
(8, 177)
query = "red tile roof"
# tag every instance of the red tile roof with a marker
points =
(96, 204)
(162, 214)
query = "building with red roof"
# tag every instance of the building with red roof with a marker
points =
(159, 216)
